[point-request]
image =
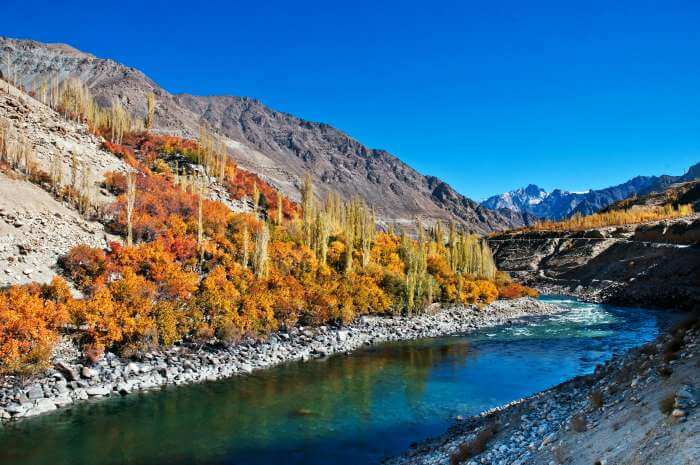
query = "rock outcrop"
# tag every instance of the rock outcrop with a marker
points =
(655, 264)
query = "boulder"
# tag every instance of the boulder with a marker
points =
(123, 388)
(678, 413)
(16, 409)
(62, 401)
(67, 371)
(132, 368)
(41, 406)
(34, 392)
(97, 391)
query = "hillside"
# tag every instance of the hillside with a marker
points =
(164, 239)
(560, 204)
(35, 227)
(649, 264)
(281, 148)
(681, 193)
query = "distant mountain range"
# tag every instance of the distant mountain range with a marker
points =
(559, 204)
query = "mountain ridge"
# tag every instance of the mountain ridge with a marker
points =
(280, 147)
(559, 204)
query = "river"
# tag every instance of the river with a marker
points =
(353, 409)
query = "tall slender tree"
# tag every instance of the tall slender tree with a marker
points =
(130, 202)
(150, 110)
(260, 255)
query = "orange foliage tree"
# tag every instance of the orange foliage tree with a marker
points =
(30, 317)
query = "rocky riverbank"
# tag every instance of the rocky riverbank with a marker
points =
(639, 408)
(73, 380)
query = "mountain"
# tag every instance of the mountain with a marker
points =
(518, 200)
(279, 147)
(560, 204)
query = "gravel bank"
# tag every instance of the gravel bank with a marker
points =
(611, 417)
(71, 381)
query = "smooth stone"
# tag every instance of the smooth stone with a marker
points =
(123, 388)
(97, 391)
(15, 409)
(41, 406)
(35, 392)
(245, 368)
(62, 401)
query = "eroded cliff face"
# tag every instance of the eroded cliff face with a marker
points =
(655, 264)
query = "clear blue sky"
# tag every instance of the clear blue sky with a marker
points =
(489, 96)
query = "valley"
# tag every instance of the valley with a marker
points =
(170, 260)
(399, 391)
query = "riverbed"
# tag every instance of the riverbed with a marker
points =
(355, 408)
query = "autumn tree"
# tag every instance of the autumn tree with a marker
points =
(280, 210)
(245, 239)
(256, 197)
(307, 210)
(29, 323)
(130, 201)
(150, 110)
(260, 255)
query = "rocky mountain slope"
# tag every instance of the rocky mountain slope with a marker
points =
(279, 147)
(560, 204)
(651, 264)
(36, 228)
(682, 193)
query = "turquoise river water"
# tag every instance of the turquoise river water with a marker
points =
(353, 409)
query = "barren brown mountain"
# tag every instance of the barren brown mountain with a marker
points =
(280, 147)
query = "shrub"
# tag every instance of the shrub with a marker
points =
(578, 423)
(28, 328)
(474, 447)
(596, 399)
(515, 291)
(115, 182)
(119, 314)
(667, 403)
(83, 264)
